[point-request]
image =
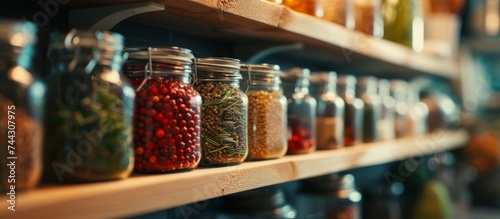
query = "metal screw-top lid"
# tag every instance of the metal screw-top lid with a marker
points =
(87, 47)
(323, 78)
(171, 60)
(217, 69)
(298, 77)
(332, 184)
(346, 80)
(17, 37)
(261, 74)
(384, 87)
(367, 84)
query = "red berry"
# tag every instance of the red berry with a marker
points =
(152, 159)
(151, 146)
(139, 150)
(160, 133)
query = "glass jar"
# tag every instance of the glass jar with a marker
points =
(301, 112)
(367, 91)
(418, 113)
(89, 109)
(264, 203)
(399, 92)
(267, 130)
(310, 7)
(167, 109)
(330, 197)
(354, 107)
(386, 122)
(21, 98)
(224, 111)
(339, 12)
(330, 111)
(403, 22)
(368, 17)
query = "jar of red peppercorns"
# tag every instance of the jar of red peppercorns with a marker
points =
(301, 111)
(224, 111)
(167, 110)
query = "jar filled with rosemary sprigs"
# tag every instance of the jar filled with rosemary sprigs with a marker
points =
(301, 111)
(21, 104)
(167, 109)
(223, 111)
(89, 109)
(266, 111)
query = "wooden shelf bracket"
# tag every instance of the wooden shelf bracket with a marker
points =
(106, 17)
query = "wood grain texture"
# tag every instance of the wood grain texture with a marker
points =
(146, 193)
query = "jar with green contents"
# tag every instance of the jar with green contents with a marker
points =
(403, 22)
(224, 111)
(266, 111)
(21, 98)
(89, 109)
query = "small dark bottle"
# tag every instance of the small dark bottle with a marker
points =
(353, 118)
(367, 91)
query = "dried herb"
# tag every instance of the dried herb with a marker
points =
(224, 119)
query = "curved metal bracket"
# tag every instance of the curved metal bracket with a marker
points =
(105, 18)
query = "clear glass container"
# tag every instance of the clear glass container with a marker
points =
(400, 94)
(339, 12)
(386, 122)
(367, 91)
(167, 109)
(267, 130)
(301, 115)
(329, 197)
(89, 109)
(403, 22)
(224, 111)
(354, 107)
(310, 7)
(418, 113)
(368, 17)
(263, 203)
(21, 98)
(330, 110)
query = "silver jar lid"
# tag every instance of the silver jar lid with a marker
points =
(323, 78)
(217, 69)
(261, 74)
(176, 60)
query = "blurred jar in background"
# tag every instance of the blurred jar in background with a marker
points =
(353, 117)
(310, 7)
(386, 122)
(418, 113)
(403, 22)
(331, 196)
(368, 17)
(339, 12)
(399, 92)
(367, 91)
(330, 110)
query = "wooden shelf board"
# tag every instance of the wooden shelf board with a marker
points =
(146, 193)
(258, 19)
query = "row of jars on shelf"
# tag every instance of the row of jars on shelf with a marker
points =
(178, 110)
(395, 20)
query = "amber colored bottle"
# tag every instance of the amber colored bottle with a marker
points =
(310, 7)
(367, 91)
(353, 118)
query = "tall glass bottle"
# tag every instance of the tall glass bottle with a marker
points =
(386, 122)
(367, 91)
(330, 110)
(89, 109)
(353, 117)
(418, 113)
(224, 111)
(399, 92)
(301, 114)
(21, 104)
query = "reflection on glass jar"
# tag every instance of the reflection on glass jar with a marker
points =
(224, 111)
(353, 117)
(330, 110)
(167, 110)
(89, 109)
(21, 98)
(267, 130)
(310, 7)
(301, 111)
(367, 91)
(368, 17)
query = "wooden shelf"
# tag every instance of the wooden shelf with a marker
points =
(146, 193)
(258, 19)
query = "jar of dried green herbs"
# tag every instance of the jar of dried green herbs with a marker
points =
(167, 110)
(329, 112)
(224, 111)
(21, 104)
(89, 109)
(301, 111)
(266, 111)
